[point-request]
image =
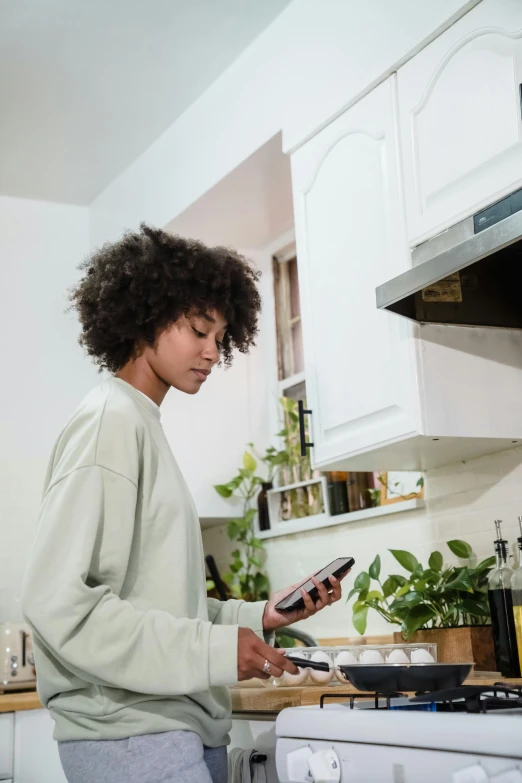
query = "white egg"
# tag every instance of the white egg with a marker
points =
(321, 678)
(422, 656)
(397, 656)
(371, 656)
(295, 679)
(344, 658)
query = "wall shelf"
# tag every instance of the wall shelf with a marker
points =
(325, 520)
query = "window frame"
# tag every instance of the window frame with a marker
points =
(284, 319)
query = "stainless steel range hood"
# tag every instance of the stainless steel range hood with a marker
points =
(469, 275)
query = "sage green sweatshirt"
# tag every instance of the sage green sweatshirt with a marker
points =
(126, 640)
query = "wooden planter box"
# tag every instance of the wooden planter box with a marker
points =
(459, 645)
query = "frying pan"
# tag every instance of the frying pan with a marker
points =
(392, 677)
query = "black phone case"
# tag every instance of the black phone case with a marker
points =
(299, 604)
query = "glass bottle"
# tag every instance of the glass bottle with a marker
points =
(262, 506)
(501, 607)
(338, 492)
(516, 589)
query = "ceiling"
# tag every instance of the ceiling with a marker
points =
(85, 87)
(249, 208)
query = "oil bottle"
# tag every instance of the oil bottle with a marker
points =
(516, 589)
(501, 607)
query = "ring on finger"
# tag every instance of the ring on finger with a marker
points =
(266, 668)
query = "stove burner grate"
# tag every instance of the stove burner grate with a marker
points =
(466, 698)
(353, 697)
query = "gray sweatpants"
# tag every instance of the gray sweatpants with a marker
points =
(170, 757)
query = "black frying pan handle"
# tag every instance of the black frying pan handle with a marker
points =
(317, 666)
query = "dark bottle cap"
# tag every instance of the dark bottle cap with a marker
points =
(500, 543)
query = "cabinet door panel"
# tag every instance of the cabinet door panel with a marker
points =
(460, 111)
(349, 230)
(6, 744)
(36, 758)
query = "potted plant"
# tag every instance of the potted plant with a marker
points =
(447, 605)
(245, 578)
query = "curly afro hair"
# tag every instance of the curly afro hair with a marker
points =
(133, 288)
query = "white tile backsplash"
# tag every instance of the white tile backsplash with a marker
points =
(463, 500)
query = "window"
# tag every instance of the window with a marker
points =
(290, 357)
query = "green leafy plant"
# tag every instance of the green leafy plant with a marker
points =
(433, 597)
(245, 578)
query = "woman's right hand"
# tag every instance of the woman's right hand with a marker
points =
(252, 652)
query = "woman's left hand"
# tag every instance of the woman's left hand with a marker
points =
(272, 619)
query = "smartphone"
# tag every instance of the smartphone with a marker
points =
(295, 600)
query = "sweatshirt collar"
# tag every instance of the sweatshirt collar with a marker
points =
(139, 397)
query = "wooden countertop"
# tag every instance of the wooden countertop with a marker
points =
(22, 700)
(250, 698)
(272, 699)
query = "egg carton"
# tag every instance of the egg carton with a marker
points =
(352, 654)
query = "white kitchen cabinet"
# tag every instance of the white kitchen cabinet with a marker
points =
(350, 237)
(460, 119)
(6, 745)
(384, 393)
(36, 758)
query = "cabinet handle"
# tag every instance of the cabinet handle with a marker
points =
(302, 435)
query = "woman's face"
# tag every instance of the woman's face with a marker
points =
(186, 351)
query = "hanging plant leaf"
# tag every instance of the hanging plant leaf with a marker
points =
(223, 490)
(417, 618)
(389, 586)
(359, 620)
(413, 598)
(489, 562)
(249, 516)
(232, 530)
(374, 595)
(408, 561)
(353, 591)
(460, 548)
(375, 568)
(436, 561)
(362, 581)
(401, 580)
(249, 463)
(475, 607)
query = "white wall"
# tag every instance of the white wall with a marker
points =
(209, 432)
(463, 501)
(315, 59)
(44, 373)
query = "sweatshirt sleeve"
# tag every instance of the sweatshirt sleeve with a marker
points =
(71, 598)
(242, 613)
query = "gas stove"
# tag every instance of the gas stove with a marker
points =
(471, 734)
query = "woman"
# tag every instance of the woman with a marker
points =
(133, 660)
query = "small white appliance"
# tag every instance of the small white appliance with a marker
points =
(17, 671)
